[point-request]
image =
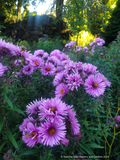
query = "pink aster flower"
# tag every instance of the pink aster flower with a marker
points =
(1, 70)
(28, 69)
(58, 78)
(61, 90)
(65, 57)
(100, 44)
(107, 83)
(74, 81)
(48, 69)
(70, 44)
(91, 44)
(36, 62)
(78, 48)
(85, 49)
(73, 121)
(99, 40)
(45, 56)
(70, 67)
(118, 118)
(55, 52)
(25, 123)
(31, 135)
(64, 141)
(52, 132)
(54, 60)
(94, 85)
(33, 107)
(53, 107)
(39, 53)
(89, 68)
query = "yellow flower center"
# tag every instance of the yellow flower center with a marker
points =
(62, 91)
(51, 131)
(83, 75)
(36, 63)
(95, 85)
(66, 58)
(56, 71)
(33, 134)
(53, 109)
(48, 68)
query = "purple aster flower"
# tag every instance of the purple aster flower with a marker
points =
(94, 85)
(36, 62)
(78, 48)
(89, 68)
(25, 123)
(70, 67)
(53, 107)
(118, 118)
(54, 60)
(73, 121)
(28, 69)
(33, 107)
(64, 141)
(39, 53)
(52, 132)
(2, 69)
(91, 44)
(48, 69)
(45, 56)
(107, 83)
(55, 52)
(85, 49)
(58, 78)
(74, 81)
(31, 135)
(99, 40)
(61, 90)
(70, 44)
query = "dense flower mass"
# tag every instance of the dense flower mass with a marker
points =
(48, 119)
(49, 125)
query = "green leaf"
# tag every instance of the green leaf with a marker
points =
(8, 101)
(1, 122)
(94, 145)
(29, 152)
(18, 110)
(86, 148)
(12, 139)
(2, 145)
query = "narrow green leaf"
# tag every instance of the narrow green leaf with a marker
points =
(8, 101)
(18, 110)
(86, 148)
(2, 145)
(1, 122)
(29, 152)
(12, 139)
(94, 145)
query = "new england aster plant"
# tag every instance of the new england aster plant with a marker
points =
(48, 121)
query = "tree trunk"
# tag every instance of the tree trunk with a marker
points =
(19, 9)
(59, 8)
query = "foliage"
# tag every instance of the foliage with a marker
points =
(47, 44)
(113, 26)
(97, 116)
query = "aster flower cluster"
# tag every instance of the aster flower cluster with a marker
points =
(98, 41)
(70, 44)
(68, 75)
(76, 74)
(48, 121)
